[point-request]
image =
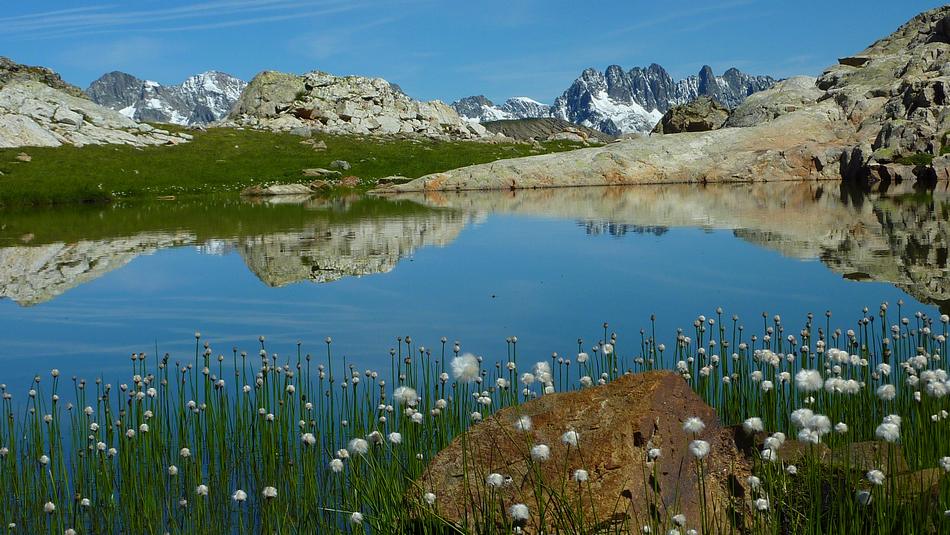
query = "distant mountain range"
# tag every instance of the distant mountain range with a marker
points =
(202, 98)
(618, 102)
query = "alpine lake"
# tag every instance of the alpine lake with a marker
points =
(82, 288)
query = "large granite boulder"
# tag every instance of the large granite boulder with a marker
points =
(344, 105)
(700, 115)
(784, 97)
(617, 425)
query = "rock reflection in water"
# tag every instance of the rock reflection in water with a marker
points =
(900, 237)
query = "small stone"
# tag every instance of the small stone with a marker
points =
(24, 157)
(340, 164)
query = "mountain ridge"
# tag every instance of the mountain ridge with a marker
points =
(199, 99)
(618, 102)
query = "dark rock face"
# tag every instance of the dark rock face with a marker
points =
(700, 115)
(11, 71)
(617, 424)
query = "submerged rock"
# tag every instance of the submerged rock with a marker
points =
(617, 425)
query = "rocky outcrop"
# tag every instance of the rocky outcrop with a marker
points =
(10, 72)
(889, 107)
(344, 105)
(202, 98)
(35, 114)
(784, 97)
(617, 424)
(700, 115)
(543, 129)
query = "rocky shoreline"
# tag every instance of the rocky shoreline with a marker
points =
(878, 116)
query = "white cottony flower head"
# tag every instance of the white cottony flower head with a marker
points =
(308, 439)
(395, 438)
(495, 480)
(608, 349)
(801, 417)
(239, 496)
(876, 477)
(465, 367)
(49, 507)
(519, 512)
(841, 428)
(762, 504)
(754, 482)
(791, 469)
(679, 519)
(654, 454)
(523, 423)
(540, 453)
(356, 518)
(173, 470)
(406, 396)
(582, 357)
(429, 498)
(581, 475)
(886, 392)
(358, 446)
(753, 425)
(809, 380)
(269, 493)
(888, 431)
(699, 448)
(201, 490)
(185, 453)
(570, 438)
(693, 425)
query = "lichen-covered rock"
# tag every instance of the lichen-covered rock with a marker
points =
(10, 72)
(700, 115)
(344, 105)
(617, 424)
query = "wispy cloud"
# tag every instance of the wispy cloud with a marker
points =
(678, 15)
(104, 19)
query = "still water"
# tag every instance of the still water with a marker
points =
(82, 288)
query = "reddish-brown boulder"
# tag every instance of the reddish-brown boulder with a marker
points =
(617, 424)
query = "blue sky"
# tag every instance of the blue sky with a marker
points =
(442, 49)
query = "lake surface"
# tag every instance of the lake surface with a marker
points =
(82, 288)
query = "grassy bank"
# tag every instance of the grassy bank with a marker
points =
(224, 159)
(260, 443)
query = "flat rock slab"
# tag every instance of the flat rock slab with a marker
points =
(618, 423)
(277, 189)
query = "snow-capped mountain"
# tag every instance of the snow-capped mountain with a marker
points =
(479, 108)
(202, 98)
(618, 101)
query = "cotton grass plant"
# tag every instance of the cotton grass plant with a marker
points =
(252, 442)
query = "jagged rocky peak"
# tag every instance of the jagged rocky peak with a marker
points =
(481, 109)
(11, 71)
(619, 102)
(202, 98)
(355, 105)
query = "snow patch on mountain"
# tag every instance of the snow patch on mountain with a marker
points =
(480, 109)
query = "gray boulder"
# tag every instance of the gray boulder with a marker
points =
(340, 164)
(784, 97)
(700, 115)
